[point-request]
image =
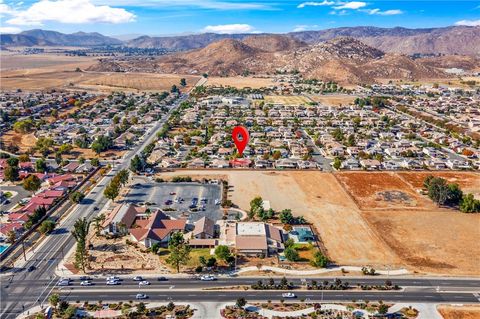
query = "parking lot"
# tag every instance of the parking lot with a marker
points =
(180, 200)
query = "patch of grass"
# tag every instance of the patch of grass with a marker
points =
(305, 252)
(194, 256)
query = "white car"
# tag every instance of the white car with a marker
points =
(112, 278)
(64, 282)
(143, 283)
(137, 278)
(207, 278)
(113, 282)
(141, 296)
(86, 283)
(288, 295)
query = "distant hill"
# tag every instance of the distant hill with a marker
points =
(54, 38)
(461, 40)
(345, 60)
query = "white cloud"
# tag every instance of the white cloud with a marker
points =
(353, 5)
(383, 13)
(304, 27)
(229, 28)
(315, 4)
(10, 30)
(205, 4)
(69, 11)
(469, 23)
(5, 9)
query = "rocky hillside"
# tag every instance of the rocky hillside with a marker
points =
(450, 40)
(345, 60)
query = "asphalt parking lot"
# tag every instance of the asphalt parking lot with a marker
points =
(176, 198)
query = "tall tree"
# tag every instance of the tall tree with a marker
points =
(11, 173)
(111, 191)
(97, 223)
(32, 183)
(80, 232)
(179, 251)
(41, 165)
(136, 164)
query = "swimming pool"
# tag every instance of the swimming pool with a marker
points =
(304, 234)
(3, 248)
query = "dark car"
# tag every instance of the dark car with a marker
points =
(168, 202)
(31, 268)
(162, 279)
(95, 208)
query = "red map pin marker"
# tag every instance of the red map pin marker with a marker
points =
(240, 137)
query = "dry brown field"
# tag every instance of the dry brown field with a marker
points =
(460, 312)
(27, 64)
(49, 71)
(317, 196)
(137, 81)
(287, 99)
(371, 190)
(240, 82)
(468, 181)
(333, 99)
(422, 238)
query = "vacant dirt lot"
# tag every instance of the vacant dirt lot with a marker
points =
(287, 100)
(468, 181)
(23, 141)
(333, 99)
(48, 71)
(438, 241)
(138, 81)
(460, 312)
(371, 190)
(422, 237)
(318, 197)
(28, 64)
(240, 82)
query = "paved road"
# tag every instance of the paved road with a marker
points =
(229, 295)
(46, 257)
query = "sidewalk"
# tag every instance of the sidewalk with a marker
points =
(395, 272)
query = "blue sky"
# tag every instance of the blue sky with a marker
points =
(167, 17)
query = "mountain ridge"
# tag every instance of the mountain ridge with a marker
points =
(462, 40)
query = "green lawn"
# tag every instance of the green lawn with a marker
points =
(194, 256)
